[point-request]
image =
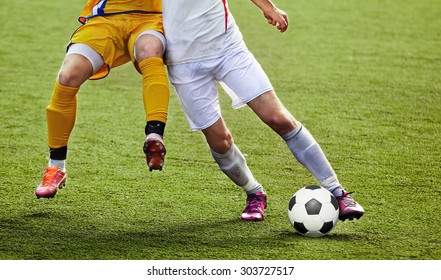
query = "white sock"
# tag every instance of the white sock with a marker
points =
(61, 164)
(308, 152)
(154, 135)
(234, 165)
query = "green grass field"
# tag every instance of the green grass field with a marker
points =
(363, 76)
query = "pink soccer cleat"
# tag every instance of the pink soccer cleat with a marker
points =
(349, 208)
(154, 150)
(254, 210)
(53, 180)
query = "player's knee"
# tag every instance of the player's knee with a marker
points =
(148, 46)
(146, 51)
(222, 143)
(281, 123)
(66, 78)
(227, 141)
(76, 69)
(72, 76)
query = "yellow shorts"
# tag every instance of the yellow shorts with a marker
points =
(114, 37)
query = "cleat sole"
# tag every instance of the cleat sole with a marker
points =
(350, 218)
(155, 153)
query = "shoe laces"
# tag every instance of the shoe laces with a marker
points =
(254, 202)
(347, 199)
(49, 173)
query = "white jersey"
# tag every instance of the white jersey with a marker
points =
(197, 30)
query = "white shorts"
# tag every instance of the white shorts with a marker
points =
(240, 74)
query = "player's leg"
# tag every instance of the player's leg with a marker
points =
(200, 103)
(246, 79)
(301, 143)
(305, 149)
(149, 49)
(229, 158)
(61, 114)
(232, 162)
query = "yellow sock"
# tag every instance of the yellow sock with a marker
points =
(155, 90)
(61, 114)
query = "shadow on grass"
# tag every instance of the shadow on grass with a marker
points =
(58, 235)
(344, 237)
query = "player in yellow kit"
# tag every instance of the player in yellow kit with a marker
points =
(113, 32)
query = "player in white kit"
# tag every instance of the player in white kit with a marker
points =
(205, 46)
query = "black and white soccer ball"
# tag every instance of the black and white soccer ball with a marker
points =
(313, 211)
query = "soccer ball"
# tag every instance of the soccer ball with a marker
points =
(313, 211)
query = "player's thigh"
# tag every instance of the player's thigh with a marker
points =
(197, 94)
(243, 74)
(247, 79)
(147, 39)
(107, 36)
(272, 112)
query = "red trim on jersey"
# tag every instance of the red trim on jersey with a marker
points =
(226, 14)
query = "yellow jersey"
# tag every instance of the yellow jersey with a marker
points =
(95, 8)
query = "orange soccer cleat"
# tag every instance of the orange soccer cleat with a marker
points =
(53, 180)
